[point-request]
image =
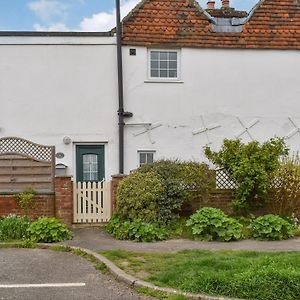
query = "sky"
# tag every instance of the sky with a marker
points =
(73, 15)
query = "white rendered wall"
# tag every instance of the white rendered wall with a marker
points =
(260, 87)
(48, 92)
(56, 87)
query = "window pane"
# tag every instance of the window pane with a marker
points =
(154, 73)
(173, 65)
(154, 55)
(90, 167)
(149, 158)
(172, 73)
(173, 55)
(154, 64)
(163, 55)
(163, 64)
(163, 73)
(143, 158)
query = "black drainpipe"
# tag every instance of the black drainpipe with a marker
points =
(121, 113)
(120, 88)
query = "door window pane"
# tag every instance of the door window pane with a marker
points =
(90, 167)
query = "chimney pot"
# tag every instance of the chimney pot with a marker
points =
(225, 3)
(211, 4)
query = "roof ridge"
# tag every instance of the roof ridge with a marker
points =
(192, 2)
(137, 7)
(254, 8)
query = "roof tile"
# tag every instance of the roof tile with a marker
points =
(274, 24)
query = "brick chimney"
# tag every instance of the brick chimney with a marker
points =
(225, 3)
(211, 4)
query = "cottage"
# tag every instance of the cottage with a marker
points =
(192, 77)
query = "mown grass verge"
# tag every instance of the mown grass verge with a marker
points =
(239, 274)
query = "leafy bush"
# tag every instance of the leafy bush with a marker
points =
(25, 199)
(13, 228)
(271, 227)
(181, 181)
(138, 197)
(212, 224)
(251, 166)
(136, 230)
(178, 229)
(286, 200)
(48, 230)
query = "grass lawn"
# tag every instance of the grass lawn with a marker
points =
(241, 274)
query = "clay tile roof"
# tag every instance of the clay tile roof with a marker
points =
(227, 12)
(272, 24)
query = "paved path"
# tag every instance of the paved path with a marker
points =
(67, 276)
(98, 239)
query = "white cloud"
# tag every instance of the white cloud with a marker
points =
(105, 21)
(53, 13)
(51, 27)
(48, 9)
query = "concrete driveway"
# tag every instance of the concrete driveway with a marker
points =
(44, 274)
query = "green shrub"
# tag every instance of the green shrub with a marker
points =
(271, 227)
(13, 228)
(48, 230)
(181, 181)
(251, 166)
(212, 224)
(138, 197)
(136, 230)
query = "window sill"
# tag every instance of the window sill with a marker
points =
(163, 81)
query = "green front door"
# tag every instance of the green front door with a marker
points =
(90, 163)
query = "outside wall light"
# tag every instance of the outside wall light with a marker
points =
(67, 140)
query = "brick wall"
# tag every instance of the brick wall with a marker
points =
(58, 205)
(44, 206)
(64, 199)
(218, 199)
(115, 180)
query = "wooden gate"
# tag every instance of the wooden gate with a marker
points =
(92, 202)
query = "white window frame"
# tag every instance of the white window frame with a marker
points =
(165, 79)
(144, 152)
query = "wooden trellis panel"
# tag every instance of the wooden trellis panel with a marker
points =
(223, 180)
(24, 164)
(92, 202)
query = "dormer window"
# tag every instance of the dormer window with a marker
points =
(164, 64)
